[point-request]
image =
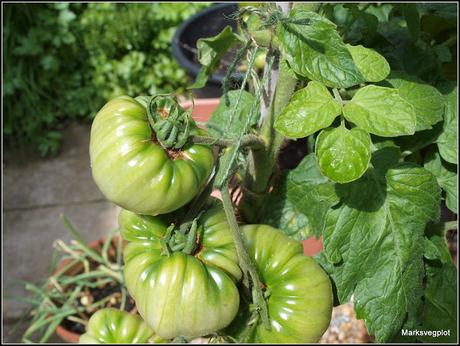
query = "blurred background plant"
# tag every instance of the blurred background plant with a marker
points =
(63, 61)
(83, 279)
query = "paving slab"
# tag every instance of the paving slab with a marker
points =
(33, 182)
(29, 236)
(13, 332)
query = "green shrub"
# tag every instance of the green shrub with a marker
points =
(63, 61)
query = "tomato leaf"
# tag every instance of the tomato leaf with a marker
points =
(299, 203)
(309, 110)
(381, 111)
(282, 214)
(311, 193)
(440, 296)
(343, 155)
(412, 18)
(447, 140)
(229, 121)
(210, 51)
(420, 139)
(446, 175)
(373, 66)
(436, 248)
(373, 243)
(427, 101)
(316, 50)
(364, 25)
(439, 312)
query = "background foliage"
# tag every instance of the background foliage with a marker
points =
(63, 61)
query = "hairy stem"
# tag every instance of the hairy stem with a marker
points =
(245, 261)
(249, 140)
(262, 162)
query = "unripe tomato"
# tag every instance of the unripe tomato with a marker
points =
(300, 293)
(181, 295)
(259, 62)
(111, 326)
(134, 171)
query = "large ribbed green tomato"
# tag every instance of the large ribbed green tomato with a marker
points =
(111, 326)
(300, 301)
(181, 295)
(137, 173)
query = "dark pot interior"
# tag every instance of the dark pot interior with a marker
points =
(206, 23)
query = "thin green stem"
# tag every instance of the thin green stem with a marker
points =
(191, 239)
(244, 259)
(196, 206)
(107, 243)
(164, 242)
(262, 162)
(119, 264)
(92, 253)
(227, 161)
(114, 274)
(311, 141)
(406, 153)
(248, 140)
(337, 96)
(237, 59)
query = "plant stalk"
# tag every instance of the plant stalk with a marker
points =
(248, 140)
(262, 162)
(245, 261)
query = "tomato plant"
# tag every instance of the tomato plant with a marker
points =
(136, 172)
(299, 308)
(112, 326)
(196, 278)
(379, 123)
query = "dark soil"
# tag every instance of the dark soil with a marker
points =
(98, 293)
(291, 153)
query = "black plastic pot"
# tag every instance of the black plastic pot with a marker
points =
(206, 23)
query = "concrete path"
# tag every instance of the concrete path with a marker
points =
(36, 191)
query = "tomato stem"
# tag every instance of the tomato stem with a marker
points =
(169, 121)
(248, 140)
(245, 262)
(164, 242)
(191, 239)
(262, 162)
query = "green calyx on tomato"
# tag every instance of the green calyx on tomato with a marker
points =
(298, 291)
(170, 122)
(111, 326)
(134, 171)
(182, 294)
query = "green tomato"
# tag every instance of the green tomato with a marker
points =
(181, 295)
(300, 300)
(259, 62)
(137, 173)
(111, 326)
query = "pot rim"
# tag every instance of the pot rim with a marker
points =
(177, 51)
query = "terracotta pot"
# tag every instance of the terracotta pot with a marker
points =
(202, 112)
(203, 108)
(67, 335)
(64, 333)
